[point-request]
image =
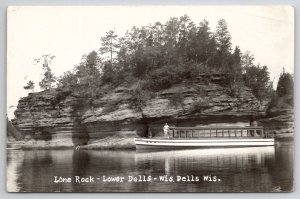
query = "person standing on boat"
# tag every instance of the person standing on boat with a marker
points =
(253, 122)
(166, 130)
(149, 133)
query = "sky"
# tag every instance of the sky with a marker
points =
(68, 32)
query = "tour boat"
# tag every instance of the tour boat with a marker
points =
(208, 137)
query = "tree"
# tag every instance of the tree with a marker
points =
(171, 35)
(234, 72)
(49, 78)
(108, 73)
(236, 65)
(157, 31)
(68, 79)
(88, 68)
(285, 84)
(247, 60)
(29, 86)
(223, 37)
(109, 45)
(257, 78)
(202, 43)
(88, 76)
(223, 41)
(92, 61)
(211, 53)
(186, 29)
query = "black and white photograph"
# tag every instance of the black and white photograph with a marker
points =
(168, 99)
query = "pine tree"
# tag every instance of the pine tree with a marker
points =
(223, 37)
(109, 45)
(285, 84)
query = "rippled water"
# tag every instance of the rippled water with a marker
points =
(255, 169)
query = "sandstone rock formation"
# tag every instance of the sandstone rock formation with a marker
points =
(279, 120)
(58, 117)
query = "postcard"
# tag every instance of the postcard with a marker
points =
(150, 98)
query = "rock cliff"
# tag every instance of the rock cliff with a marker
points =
(279, 119)
(58, 117)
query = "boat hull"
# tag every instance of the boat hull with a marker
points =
(163, 143)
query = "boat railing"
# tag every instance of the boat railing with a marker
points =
(215, 132)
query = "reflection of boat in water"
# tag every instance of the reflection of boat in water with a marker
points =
(206, 137)
(211, 152)
(211, 159)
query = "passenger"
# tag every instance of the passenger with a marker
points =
(166, 130)
(253, 122)
(149, 133)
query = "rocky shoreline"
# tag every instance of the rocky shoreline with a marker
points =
(111, 143)
(58, 118)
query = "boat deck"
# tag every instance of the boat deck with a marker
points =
(191, 137)
(216, 132)
(199, 138)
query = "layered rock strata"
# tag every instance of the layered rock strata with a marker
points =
(61, 118)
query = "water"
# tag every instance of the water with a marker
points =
(256, 169)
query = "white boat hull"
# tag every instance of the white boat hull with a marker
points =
(163, 143)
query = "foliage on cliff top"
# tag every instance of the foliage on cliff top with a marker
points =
(161, 55)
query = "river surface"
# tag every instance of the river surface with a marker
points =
(255, 169)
